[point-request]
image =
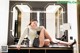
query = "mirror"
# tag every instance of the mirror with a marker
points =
(59, 21)
(49, 15)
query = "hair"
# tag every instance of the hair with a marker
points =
(32, 21)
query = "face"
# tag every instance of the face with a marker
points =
(34, 24)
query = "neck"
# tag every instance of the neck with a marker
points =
(33, 27)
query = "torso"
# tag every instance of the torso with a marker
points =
(33, 33)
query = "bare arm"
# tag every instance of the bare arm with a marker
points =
(23, 36)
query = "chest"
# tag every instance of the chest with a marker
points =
(32, 32)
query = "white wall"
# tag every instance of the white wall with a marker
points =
(72, 19)
(4, 10)
(25, 16)
(50, 19)
(50, 24)
(14, 18)
(25, 20)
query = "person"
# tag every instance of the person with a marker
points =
(44, 37)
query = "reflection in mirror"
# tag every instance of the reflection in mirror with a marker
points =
(20, 20)
(58, 22)
(51, 19)
(54, 20)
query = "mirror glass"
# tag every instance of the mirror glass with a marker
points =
(52, 17)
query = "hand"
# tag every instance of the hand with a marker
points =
(18, 47)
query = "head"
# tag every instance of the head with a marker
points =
(33, 23)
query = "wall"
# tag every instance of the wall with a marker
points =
(4, 12)
(25, 21)
(72, 19)
(25, 16)
(50, 26)
(14, 18)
